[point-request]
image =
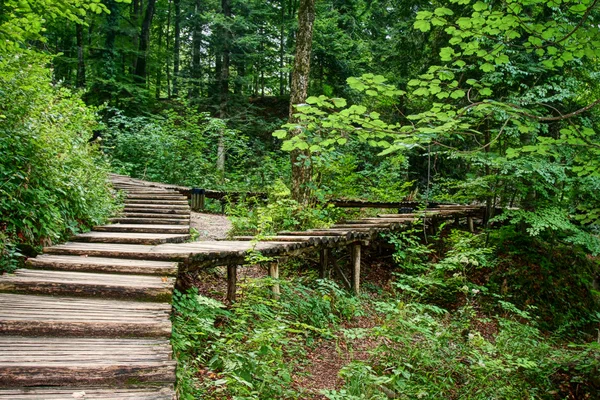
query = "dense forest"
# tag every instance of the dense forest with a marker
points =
(490, 102)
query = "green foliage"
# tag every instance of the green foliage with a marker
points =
(54, 182)
(181, 148)
(279, 213)
(251, 350)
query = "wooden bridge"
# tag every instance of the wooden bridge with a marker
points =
(91, 318)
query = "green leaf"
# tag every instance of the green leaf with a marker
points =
(312, 100)
(280, 134)
(457, 94)
(339, 102)
(479, 6)
(487, 67)
(422, 25)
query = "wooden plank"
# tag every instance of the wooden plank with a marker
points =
(26, 315)
(130, 238)
(148, 209)
(82, 284)
(171, 202)
(160, 206)
(92, 393)
(144, 228)
(158, 253)
(152, 221)
(26, 361)
(103, 265)
(135, 214)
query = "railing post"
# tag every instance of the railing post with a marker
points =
(324, 263)
(231, 282)
(355, 252)
(274, 274)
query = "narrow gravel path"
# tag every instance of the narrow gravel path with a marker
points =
(210, 226)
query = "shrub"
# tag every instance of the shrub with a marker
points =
(53, 183)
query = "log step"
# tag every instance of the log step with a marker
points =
(26, 361)
(160, 206)
(134, 251)
(158, 202)
(155, 210)
(58, 393)
(152, 220)
(142, 228)
(130, 238)
(113, 286)
(154, 196)
(102, 265)
(25, 315)
(151, 215)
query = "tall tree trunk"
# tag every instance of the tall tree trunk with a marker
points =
(80, 79)
(301, 166)
(224, 81)
(168, 55)
(141, 65)
(282, 49)
(196, 71)
(160, 55)
(136, 15)
(176, 47)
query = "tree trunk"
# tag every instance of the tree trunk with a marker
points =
(141, 65)
(80, 79)
(136, 13)
(282, 50)
(196, 72)
(224, 80)
(176, 47)
(301, 167)
(160, 55)
(167, 54)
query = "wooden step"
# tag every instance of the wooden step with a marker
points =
(133, 251)
(159, 202)
(102, 265)
(27, 315)
(136, 196)
(130, 238)
(91, 393)
(63, 283)
(160, 206)
(151, 221)
(143, 228)
(135, 214)
(153, 210)
(26, 361)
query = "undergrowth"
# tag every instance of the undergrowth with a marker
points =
(454, 325)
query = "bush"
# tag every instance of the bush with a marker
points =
(53, 182)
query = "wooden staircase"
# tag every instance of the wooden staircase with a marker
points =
(91, 318)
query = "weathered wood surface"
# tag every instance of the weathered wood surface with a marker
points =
(144, 228)
(30, 361)
(168, 219)
(95, 393)
(130, 237)
(25, 315)
(63, 283)
(103, 265)
(154, 202)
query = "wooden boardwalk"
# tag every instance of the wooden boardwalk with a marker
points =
(75, 325)
(91, 317)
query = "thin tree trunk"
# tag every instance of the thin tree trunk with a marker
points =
(160, 55)
(176, 47)
(226, 10)
(80, 79)
(196, 72)
(282, 50)
(301, 167)
(167, 54)
(136, 14)
(141, 65)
